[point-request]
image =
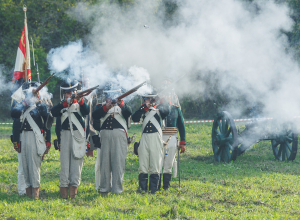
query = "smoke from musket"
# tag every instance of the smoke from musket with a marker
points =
(234, 47)
(74, 61)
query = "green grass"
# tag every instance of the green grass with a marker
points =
(255, 186)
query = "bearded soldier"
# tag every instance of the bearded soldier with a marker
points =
(172, 122)
(150, 151)
(113, 135)
(70, 112)
(33, 115)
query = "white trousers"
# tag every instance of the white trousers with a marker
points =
(21, 178)
(150, 153)
(31, 161)
(112, 160)
(169, 156)
(70, 167)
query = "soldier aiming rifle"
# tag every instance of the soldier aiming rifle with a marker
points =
(111, 118)
(70, 126)
(115, 117)
(150, 150)
(32, 114)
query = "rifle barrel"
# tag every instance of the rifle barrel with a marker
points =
(131, 90)
(44, 83)
(84, 92)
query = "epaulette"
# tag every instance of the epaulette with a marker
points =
(176, 106)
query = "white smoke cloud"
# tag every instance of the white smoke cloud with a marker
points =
(73, 61)
(5, 86)
(235, 45)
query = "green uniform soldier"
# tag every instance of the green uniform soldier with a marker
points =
(173, 122)
(33, 115)
(71, 128)
(150, 150)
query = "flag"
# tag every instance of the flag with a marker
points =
(22, 65)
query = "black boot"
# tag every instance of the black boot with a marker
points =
(143, 181)
(159, 182)
(166, 181)
(154, 178)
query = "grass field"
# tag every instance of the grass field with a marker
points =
(255, 186)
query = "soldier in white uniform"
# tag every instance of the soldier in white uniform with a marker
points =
(150, 151)
(70, 126)
(113, 136)
(33, 115)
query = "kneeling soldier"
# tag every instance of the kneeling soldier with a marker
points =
(32, 114)
(150, 151)
(70, 112)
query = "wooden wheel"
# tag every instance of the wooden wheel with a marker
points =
(224, 138)
(286, 143)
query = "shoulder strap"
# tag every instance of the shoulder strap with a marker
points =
(23, 116)
(69, 113)
(117, 114)
(150, 117)
(73, 119)
(73, 108)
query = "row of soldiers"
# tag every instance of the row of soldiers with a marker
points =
(79, 124)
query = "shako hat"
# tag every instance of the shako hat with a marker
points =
(112, 90)
(68, 86)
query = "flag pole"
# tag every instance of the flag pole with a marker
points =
(26, 36)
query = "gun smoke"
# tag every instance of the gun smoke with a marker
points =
(236, 48)
(74, 61)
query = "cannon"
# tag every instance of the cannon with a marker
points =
(228, 142)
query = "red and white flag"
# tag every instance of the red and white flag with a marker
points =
(22, 65)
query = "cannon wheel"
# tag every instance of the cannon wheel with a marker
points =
(285, 145)
(224, 138)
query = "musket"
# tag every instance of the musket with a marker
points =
(84, 92)
(128, 92)
(35, 91)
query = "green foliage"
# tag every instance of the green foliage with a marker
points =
(253, 187)
(49, 26)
